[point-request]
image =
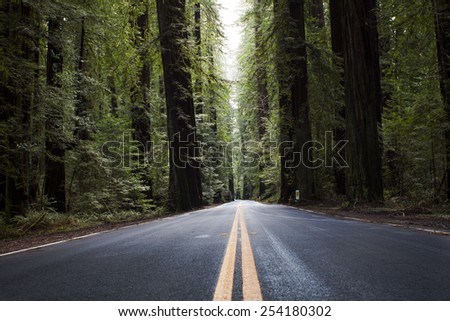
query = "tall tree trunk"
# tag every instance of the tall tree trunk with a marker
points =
(2, 189)
(442, 22)
(363, 100)
(286, 121)
(263, 95)
(295, 126)
(299, 104)
(4, 114)
(185, 183)
(140, 110)
(55, 177)
(336, 19)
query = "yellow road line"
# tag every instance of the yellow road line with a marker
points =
(251, 288)
(224, 288)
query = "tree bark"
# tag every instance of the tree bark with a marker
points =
(299, 104)
(55, 177)
(140, 109)
(185, 183)
(363, 100)
(4, 115)
(295, 126)
(336, 20)
(286, 121)
(442, 23)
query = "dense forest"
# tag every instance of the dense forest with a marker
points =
(120, 109)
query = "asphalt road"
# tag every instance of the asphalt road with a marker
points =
(291, 255)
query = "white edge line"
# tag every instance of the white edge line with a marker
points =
(54, 243)
(357, 219)
(430, 231)
(102, 232)
(34, 248)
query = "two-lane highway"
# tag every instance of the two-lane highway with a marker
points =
(240, 250)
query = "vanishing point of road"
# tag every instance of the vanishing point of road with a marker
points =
(238, 251)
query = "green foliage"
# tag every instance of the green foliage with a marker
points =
(413, 116)
(47, 222)
(96, 95)
(414, 120)
(112, 188)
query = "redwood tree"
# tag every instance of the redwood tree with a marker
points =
(336, 21)
(286, 126)
(299, 102)
(442, 20)
(295, 124)
(363, 100)
(185, 182)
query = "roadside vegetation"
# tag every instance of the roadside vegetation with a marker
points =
(51, 222)
(118, 110)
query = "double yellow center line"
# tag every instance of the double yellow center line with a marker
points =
(251, 290)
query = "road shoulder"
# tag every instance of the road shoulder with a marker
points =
(434, 224)
(41, 240)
